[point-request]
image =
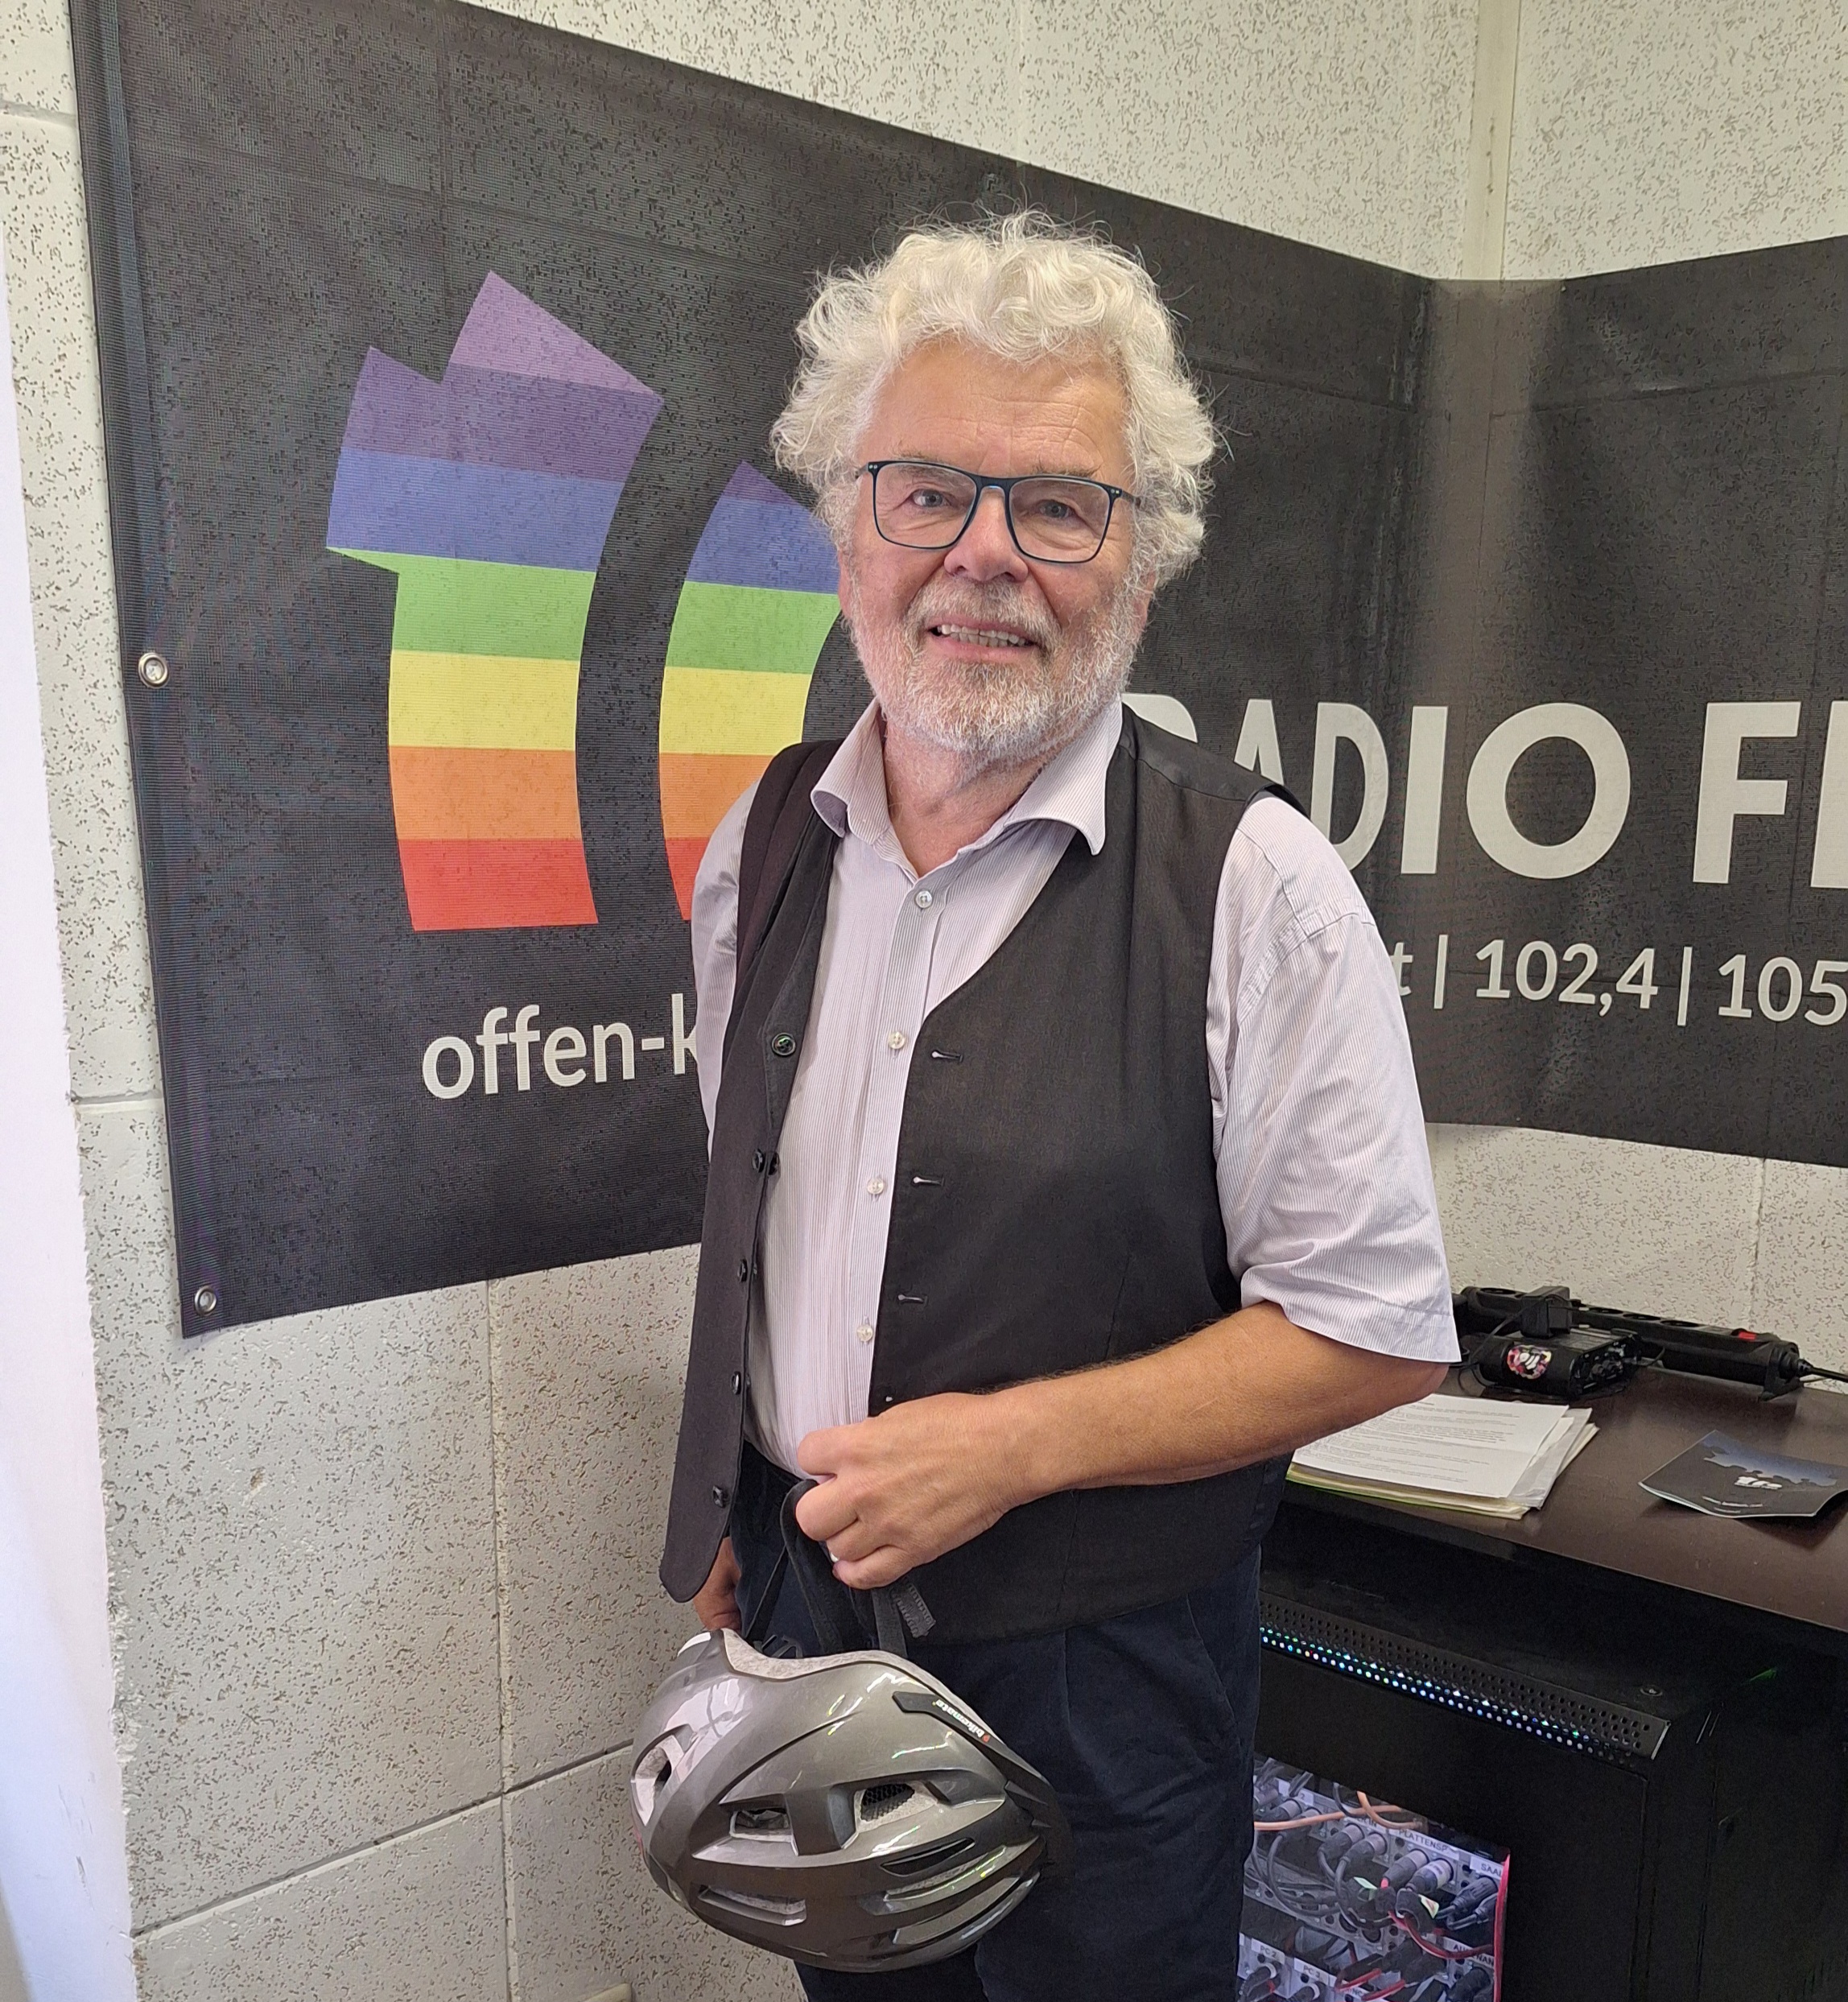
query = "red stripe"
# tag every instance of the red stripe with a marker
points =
(490, 885)
(684, 854)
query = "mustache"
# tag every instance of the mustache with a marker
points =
(947, 601)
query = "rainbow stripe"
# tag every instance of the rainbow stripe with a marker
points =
(490, 494)
(758, 601)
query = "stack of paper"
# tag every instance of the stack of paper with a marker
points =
(1451, 1452)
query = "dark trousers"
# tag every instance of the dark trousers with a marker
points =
(1144, 1725)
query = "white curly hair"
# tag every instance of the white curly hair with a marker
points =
(1020, 286)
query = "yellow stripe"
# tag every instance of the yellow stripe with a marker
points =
(479, 702)
(734, 714)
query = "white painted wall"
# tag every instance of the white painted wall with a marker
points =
(1649, 131)
(64, 1875)
(382, 1577)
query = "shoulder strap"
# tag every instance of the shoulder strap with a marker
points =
(773, 831)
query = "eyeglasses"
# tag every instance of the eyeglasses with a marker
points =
(1053, 518)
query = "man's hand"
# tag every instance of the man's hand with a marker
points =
(903, 1488)
(716, 1601)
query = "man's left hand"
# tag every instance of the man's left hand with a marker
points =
(901, 1488)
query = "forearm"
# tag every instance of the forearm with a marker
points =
(1249, 1387)
(926, 1476)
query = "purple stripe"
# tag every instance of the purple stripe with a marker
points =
(780, 548)
(479, 417)
(747, 484)
(505, 330)
(434, 507)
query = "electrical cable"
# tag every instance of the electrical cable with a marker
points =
(1414, 1824)
(1430, 1946)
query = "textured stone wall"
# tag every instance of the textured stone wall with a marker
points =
(382, 1578)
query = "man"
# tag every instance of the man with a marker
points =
(1068, 1169)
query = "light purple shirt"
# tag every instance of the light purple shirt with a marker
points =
(1318, 1138)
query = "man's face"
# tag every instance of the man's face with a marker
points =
(976, 648)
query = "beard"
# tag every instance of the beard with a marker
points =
(995, 714)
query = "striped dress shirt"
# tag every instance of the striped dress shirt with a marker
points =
(1324, 1181)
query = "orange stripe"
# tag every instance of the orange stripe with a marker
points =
(697, 788)
(449, 794)
(684, 854)
(485, 885)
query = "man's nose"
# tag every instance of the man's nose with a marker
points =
(985, 550)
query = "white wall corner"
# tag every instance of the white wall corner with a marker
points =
(64, 1868)
(1491, 121)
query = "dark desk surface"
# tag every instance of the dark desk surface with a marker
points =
(1598, 1515)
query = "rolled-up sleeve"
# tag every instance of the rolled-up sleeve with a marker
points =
(1324, 1177)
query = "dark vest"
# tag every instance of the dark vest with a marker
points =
(1054, 1204)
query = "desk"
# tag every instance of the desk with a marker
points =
(1597, 1514)
(1692, 1844)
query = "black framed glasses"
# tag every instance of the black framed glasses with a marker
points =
(1053, 516)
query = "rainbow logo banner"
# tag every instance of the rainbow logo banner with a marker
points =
(490, 494)
(758, 601)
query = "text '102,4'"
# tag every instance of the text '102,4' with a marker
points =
(1776, 989)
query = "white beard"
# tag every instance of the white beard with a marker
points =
(989, 716)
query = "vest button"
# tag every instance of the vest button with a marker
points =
(757, 1159)
(783, 1046)
(721, 1496)
(737, 1383)
(744, 1271)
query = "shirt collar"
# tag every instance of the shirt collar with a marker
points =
(850, 794)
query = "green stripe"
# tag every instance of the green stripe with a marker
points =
(738, 625)
(448, 605)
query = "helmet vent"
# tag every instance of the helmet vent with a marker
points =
(652, 1770)
(768, 1822)
(777, 1911)
(937, 1855)
(876, 1802)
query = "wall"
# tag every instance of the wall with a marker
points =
(1648, 130)
(63, 1890)
(382, 1578)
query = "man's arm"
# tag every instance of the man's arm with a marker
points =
(926, 1476)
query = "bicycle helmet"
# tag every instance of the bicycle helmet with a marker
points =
(846, 1809)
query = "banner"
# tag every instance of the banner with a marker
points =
(461, 597)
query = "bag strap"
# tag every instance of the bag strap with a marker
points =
(894, 1614)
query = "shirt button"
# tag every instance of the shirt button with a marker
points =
(876, 1186)
(863, 1332)
(923, 900)
(896, 1040)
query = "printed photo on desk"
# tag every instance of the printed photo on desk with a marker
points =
(1721, 1477)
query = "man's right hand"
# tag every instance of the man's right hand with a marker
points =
(716, 1601)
